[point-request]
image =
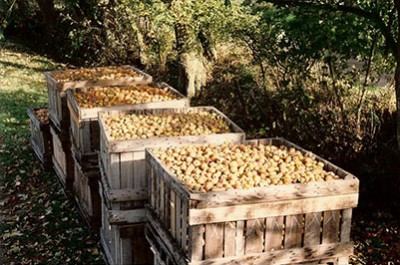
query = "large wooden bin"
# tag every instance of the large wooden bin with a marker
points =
(122, 235)
(123, 161)
(86, 189)
(41, 140)
(84, 121)
(63, 162)
(58, 109)
(279, 224)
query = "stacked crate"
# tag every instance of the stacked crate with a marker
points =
(125, 183)
(41, 140)
(278, 224)
(59, 118)
(85, 138)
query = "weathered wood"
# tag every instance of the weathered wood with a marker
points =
(287, 256)
(331, 225)
(41, 139)
(214, 241)
(312, 229)
(270, 209)
(142, 79)
(116, 146)
(293, 231)
(274, 219)
(345, 225)
(273, 233)
(84, 121)
(254, 236)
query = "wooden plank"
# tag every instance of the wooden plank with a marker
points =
(275, 193)
(123, 195)
(161, 197)
(184, 226)
(229, 239)
(345, 226)
(330, 229)
(254, 236)
(270, 209)
(214, 241)
(127, 171)
(126, 251)
(139, 169)
(312, 229)
(240, 238)
(173, 216)
(117, 146)
(287, 256)
(127, 216)
(273, 233)
(197, 234)
(178, 219)
(114, 178)
(293, 231)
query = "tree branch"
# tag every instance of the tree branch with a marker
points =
(371, 16)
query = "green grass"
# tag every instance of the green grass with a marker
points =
(38, 223)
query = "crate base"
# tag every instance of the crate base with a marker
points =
(46, 162)
(66, 183)
(169, 253)
(86, 191)
(127, 245)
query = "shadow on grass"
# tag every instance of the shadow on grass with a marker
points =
(14, 120)
(22, 66)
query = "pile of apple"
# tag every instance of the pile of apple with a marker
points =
(42, 115)
(137, 126)
(99, 73)
(113, 96)
(225, 167)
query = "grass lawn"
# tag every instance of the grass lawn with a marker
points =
(38, 223)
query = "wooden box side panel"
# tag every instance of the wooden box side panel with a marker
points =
(86, 136)
(58, 152)
(127, 170)
(83, 191)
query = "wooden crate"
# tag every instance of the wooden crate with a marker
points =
(41, 140)
(123, 240)
(84, 121)
(58, 109)
(282, 224)
(63, 162)
(86, 191)
(123, 161)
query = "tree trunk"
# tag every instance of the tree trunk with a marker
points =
(49, 15)
(397, 73)
(192, 70)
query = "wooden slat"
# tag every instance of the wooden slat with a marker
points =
(184, 225)
(254, 236)
(273, 233)
(270, 209)
(127, 216)
(139, 169)
(178, 219)
(275, 193)
(126, 251)
(331, 225)
(214, 241)
(345, 225)
(172, 213)
(114, 177)
(229, 239)
(312, 229)
(293, 231)
(122, 195)
(197, 235)
(289, 256)
(127, 171)
(117, 146)
(240, 238)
